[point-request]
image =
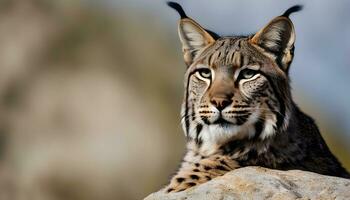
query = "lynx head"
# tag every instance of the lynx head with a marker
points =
(236, 87)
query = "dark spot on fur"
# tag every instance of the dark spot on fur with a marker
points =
(242, 119)
(199, 128)
(195, 177)
(196, 170)
(219, 167)
(208, 178)
(223, 162)
(207, 168)
(199, 142)
(191, 184)
(170, 189)
(180, 180)
(196, 164)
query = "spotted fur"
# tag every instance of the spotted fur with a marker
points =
(238, 109)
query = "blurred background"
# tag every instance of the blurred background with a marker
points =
(90, 90)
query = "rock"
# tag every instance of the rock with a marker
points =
(261, 183)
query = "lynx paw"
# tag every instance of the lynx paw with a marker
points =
(192, 174)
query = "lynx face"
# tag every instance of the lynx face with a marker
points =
(236, 87)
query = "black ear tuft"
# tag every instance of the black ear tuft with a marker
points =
(292, 9)
(183, 15)
(178, 8)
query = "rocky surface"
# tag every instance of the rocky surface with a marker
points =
(261, 183)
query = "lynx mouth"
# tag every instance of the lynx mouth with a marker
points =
(221, 121)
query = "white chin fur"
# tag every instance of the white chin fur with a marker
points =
(216, 134)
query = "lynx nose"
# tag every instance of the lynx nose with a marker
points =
(221, 102)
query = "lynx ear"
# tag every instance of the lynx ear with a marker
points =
(193, 38)
(278, 38)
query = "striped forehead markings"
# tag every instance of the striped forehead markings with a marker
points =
(226, 52)
(236, 59)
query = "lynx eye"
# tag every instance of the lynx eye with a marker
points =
(204, 73)
(248, 73)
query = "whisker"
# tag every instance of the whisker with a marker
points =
(264, 109)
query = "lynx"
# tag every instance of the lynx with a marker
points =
(238, 109)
